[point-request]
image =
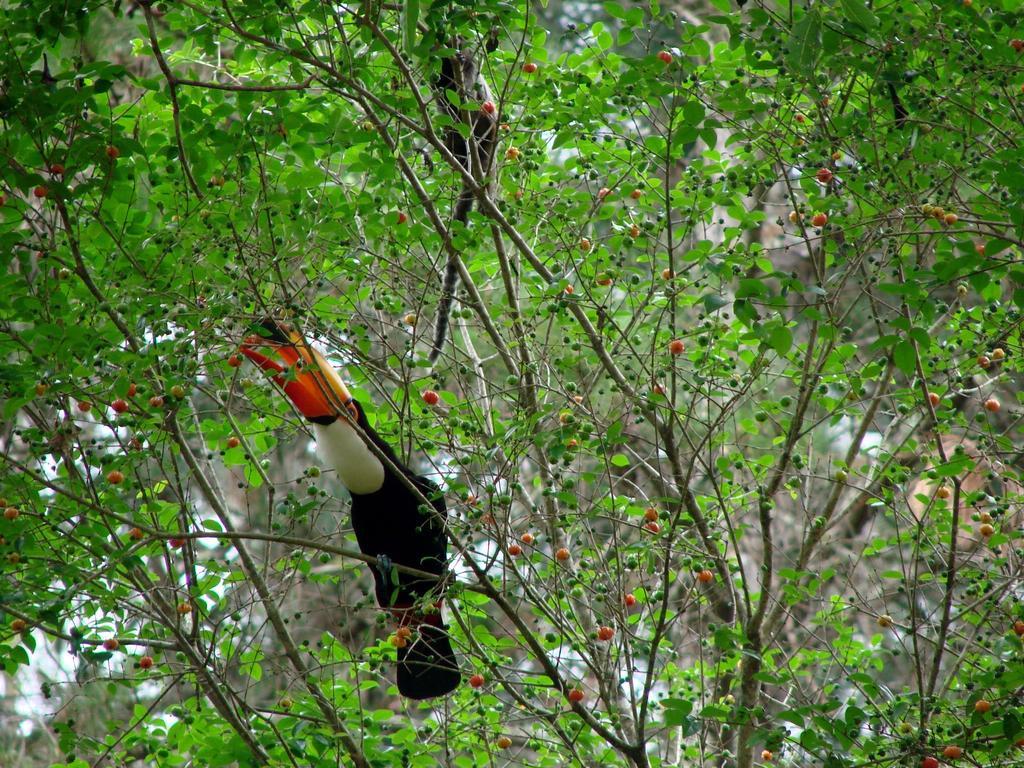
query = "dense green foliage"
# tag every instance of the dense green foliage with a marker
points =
(739, 329)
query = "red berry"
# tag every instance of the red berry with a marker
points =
(527, 538)
(156, 402)
(652, 527)
(113, 152)
(40, 191)
(146, 662)
(12, 513)
(430, 397)
(515, 550)
(234, 361)
(824, 175)
(603, 192)
(488, 107)
(177, 542)
(636, 194)
(605, 633)
(575, 695)
(84, 406)
(665, 57)
(136, 534)
(402, 218)
(119, 405)
(19, 625)
(57, 169)
(819, 220)
(233, 442)
(111, 644)
(114, 477)
(1018, 627)
(930, 762)
(1017, 45)
(562, 554)
(705, 576)
(934, 399)
(677, 347)
(529, 67)
(476, 681)
(132, 389)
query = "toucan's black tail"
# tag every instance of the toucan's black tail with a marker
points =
(427, 666)
(449, 285)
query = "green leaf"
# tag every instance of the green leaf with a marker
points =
(780, 339)
(905, 357)
(858, 12)
(805, 43)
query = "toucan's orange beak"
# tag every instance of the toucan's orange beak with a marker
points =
(310, 382)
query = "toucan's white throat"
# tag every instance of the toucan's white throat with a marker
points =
(358, 469)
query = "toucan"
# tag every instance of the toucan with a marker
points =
(390, 521)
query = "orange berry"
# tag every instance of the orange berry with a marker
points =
(562, 554)
(677, 347)
(575, 695)
(19, 625)
(952, 752)
(934, 399)
(503, 742)
(146, 662)
(233, 442)
(766, 755)
(605, 634)
(515, 550)
(986, 530)
(630, 601)
(527, 538)
(477, 681)
(981, 706)
(992, 405)
(585, 245)
(819, 219)
(114, 477)
(529, 67)
(705, 576)
(650, 514)
(11, 513)
(111, 644)
(944, 492)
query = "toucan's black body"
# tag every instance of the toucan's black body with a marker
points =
(391, 521)
(395, 523)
